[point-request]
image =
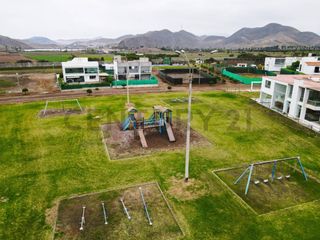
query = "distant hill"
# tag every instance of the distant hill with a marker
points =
(270, 35)
(7, 43)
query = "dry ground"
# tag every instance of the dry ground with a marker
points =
(125, 144)
(11, 57)
(36, 83)
(119, 227)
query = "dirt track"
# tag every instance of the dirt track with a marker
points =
(19, 98)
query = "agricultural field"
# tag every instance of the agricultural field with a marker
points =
(49, 57)
(45, 161)
(64, 56)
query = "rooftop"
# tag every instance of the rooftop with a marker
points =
(80, 62)
(308, 81)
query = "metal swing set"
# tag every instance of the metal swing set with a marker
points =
(249, 170)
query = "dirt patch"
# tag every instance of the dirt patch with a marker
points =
(125, 144)
(35, 83)
(182, 190)
(58, 112)
(119, 226)
(12, 57)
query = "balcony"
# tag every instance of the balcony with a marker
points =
(315, 103)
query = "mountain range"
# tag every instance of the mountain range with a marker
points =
(272, 34)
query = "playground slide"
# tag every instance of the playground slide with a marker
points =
(170, 132)
(126, 124)
(142, 138)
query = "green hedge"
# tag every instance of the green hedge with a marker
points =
(289, 71)
(80, 86)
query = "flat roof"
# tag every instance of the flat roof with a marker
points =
(80, 62)
(309, 81)
(313, 64)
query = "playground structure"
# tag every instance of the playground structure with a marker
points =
(160, 119)
(275, 166)
(133, 212)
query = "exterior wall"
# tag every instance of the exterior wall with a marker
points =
(305, 68)
(140, 69)
(294, 107)
(81, 63)
(270, 63)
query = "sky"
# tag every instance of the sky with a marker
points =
(70, 19)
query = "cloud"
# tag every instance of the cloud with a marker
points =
(113, 18)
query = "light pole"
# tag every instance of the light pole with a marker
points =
(127, 78)
(186, 177)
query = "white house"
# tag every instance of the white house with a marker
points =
(275, 64)
(310, 65)
(138, 69)
(296, 96)
(80, 70)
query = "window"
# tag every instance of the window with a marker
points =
(74, 70)
(290, 91)
(317, 69)
(302, 94)
(92, 77)
(91, 70)
(280, 61)
(267, 84)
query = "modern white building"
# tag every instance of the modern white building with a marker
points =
(275, 64)
(80, 70)
(310, 65)
(296, 96)
(138, 69)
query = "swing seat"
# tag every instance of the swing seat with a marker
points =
(279, 178)
(288, 176)
(266, 180)
(256, 182)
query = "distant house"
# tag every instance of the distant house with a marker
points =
(296, 96)
(80, 70)
(310, 65)
(132, 70)
(275, 64)
(242, 65)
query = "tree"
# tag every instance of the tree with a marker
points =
(25, 91)
(294, 66)
(89, 92)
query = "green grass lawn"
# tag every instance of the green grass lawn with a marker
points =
(44, 159)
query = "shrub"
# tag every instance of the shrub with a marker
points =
(25, 91)
(89, 92)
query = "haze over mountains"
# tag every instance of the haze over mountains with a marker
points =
(270, 35)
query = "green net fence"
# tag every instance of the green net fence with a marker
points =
(232, 73)
(152, 81)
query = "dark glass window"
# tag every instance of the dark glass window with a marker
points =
(74, 70)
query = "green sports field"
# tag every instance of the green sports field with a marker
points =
(43, 160)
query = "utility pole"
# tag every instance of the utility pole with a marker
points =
(187, 159)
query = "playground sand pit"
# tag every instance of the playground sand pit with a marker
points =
(58, 112)
(182, 100)
(126, 144)
(274, 195)
(164, 224)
